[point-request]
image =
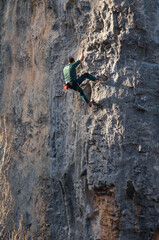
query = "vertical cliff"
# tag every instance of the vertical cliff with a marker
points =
(68, 171)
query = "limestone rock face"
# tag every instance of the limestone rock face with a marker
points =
(68, 171)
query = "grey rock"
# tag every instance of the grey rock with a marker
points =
(68, 171)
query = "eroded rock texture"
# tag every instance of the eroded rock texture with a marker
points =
(68, 171)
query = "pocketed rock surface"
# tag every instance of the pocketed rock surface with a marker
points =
(68, 171)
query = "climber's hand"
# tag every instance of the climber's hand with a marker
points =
(82, 57)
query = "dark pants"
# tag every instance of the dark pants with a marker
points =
(75, 85)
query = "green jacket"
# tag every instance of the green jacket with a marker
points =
(69, 71)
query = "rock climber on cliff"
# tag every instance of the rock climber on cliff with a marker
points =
(71, 80)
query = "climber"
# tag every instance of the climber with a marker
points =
(72, 82)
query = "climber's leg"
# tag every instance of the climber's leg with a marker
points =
(82, 95)
(84, 76)
(75, 86)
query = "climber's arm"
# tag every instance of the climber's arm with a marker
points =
(76, 63)
(82, 57)
(79, 61)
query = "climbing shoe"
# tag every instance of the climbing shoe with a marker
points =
(90, 103)
(97, 80)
